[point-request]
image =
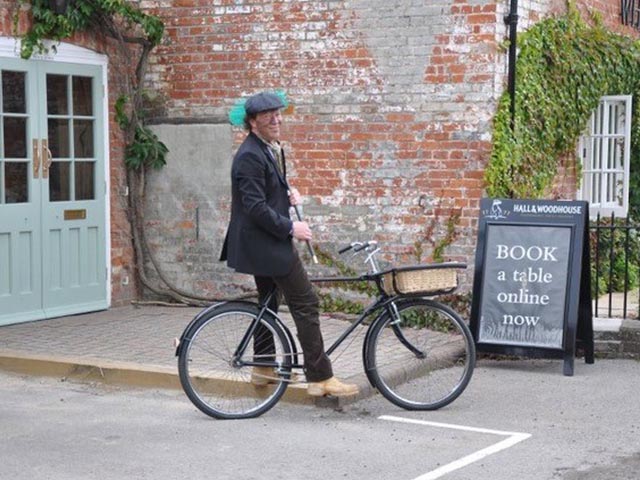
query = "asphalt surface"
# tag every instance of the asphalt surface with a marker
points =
(517, 420)
(73, 406)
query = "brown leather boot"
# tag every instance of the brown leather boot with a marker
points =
(332, 386)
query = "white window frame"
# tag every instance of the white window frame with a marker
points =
(605, 151)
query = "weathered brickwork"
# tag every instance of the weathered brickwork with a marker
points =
(388, 135)
(392, 103)
(389, 132)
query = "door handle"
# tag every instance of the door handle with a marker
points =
(36, 157)
(47, 158)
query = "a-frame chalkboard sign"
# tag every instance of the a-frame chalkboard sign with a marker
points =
(531, 289)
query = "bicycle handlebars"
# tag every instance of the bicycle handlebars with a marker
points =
(371, 247)
(357, 246)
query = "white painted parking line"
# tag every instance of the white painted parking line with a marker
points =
(510, 441)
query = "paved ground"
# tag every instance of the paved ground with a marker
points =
(134, 345)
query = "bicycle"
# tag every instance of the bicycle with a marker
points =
(418, 353)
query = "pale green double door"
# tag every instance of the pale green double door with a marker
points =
(52, 190)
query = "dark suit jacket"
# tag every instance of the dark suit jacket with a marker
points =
(258, 239)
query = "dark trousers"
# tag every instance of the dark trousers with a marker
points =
(304, 307)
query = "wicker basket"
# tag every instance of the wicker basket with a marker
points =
(422, 279)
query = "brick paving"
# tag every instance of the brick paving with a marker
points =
(134, 345)
(142, 338)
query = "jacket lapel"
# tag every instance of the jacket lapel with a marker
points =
(281, 176)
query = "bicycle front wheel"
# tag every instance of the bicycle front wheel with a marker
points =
(422, 356)
(221, 381)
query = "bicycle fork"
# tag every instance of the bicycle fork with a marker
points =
(395, 324)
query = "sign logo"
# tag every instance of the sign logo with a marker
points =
(496, 212)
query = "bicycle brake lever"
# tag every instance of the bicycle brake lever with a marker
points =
(357, 246)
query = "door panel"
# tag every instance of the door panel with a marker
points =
(52, 190)
(20, 197)
(74, 269)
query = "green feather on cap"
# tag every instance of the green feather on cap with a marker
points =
(238, 113)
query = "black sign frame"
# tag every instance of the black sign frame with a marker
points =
(535, 223)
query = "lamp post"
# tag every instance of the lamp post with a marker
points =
(59, 6)
(512, 21)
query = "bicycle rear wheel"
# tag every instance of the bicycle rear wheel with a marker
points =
(425, 360)
(218, 381)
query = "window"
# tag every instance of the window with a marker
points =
(604, 150)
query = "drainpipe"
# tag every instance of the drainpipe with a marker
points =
(512, 21)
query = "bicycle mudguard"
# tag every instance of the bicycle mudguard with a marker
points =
(383, 311)
(200, 314)
(399, 300)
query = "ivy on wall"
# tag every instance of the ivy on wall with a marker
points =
(564, 66)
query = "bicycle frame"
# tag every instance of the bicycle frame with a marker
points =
(382, 302)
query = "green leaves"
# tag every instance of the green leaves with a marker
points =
(563, 68)
(145, 150)
(80, 15)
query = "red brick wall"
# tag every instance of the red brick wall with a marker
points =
(389, 131)
(610, 11)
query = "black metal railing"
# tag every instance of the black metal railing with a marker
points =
(615, 267)
(630, 12)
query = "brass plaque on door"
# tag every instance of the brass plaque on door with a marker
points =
(75, 214)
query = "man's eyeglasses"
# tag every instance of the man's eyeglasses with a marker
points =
(269, 116)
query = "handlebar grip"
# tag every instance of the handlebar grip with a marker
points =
(345, 249)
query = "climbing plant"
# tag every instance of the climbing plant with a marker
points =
(117, 18)
(564, 66)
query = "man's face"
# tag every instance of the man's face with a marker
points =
(267, 125)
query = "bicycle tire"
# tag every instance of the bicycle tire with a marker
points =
(433, 331)
(218, 385)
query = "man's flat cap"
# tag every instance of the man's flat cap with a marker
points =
(261, 102)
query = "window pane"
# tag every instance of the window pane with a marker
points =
(83, 138)
(13, 92)
(15, 182)
(82, 97)
(57, 95)
(595, 188)
(15, 137)
(85, 181)
(618, 153)
(59, 138)
(59, 182)
(597, 154)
